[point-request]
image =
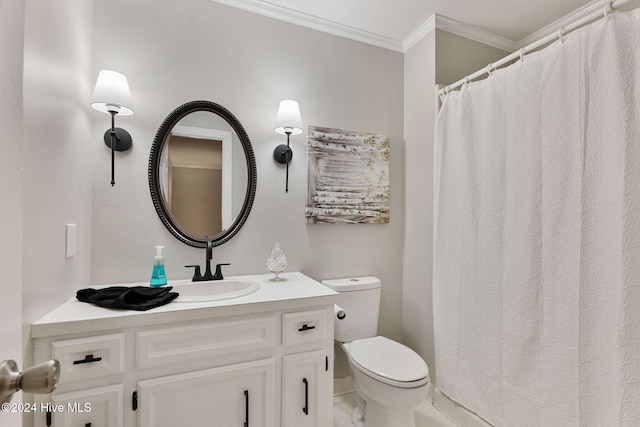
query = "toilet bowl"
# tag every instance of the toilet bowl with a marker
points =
(390, 378)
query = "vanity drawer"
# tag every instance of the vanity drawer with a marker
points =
(210, 341)
(89, 357)
(304, 327)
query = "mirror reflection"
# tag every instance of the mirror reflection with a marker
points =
(202, 173)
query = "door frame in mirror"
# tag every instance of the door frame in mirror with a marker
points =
(227, 160)
(154, 179)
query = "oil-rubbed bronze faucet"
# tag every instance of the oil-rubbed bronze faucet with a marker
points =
(198, 277)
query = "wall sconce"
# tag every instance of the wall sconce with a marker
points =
(112, 96)
(288, 122)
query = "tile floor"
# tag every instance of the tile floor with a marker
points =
(342, 407)
(426, 414)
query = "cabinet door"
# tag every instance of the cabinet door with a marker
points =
(236, 395)
(306, 399)
(95, 407)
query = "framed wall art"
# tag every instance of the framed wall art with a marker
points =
(348, 177)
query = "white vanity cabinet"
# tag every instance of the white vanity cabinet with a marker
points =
(306, 387)
(236, 387)
(235, 395)
(306, 390)
(100, 406)
(84, 360)
(264, 364)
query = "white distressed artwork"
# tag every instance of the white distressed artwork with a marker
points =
(348, 180)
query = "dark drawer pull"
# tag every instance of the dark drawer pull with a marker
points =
(87, 359)
(306, 396)
(246, 408)
(306, 327)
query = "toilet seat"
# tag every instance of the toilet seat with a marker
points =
(389, 362)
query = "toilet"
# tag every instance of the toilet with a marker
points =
(390, 378)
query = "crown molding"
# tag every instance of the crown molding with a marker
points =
(305, 20)
(456, 27)
(574, 16)
(424, 29)
(436, 21)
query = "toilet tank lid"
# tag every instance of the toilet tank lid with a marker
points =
(353, 284)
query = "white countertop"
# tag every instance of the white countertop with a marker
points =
(79, 317)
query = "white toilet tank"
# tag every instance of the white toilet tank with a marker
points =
(360, 300)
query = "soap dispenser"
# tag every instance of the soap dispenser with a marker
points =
(158, 276)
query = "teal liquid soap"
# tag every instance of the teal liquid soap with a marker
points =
(158, 276)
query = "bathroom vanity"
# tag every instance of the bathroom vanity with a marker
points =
(260, 360)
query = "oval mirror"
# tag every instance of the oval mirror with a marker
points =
(202, 173)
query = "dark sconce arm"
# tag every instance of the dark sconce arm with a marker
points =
(117, 139)
(283, 155)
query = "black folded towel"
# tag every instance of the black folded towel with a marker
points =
(139, 298)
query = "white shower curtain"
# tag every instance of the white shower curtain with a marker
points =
(537, 235)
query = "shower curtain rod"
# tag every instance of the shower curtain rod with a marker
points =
(609, 7)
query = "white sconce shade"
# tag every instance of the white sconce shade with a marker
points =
(288, 118)
(289, 122)
(112, 94)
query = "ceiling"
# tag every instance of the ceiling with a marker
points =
(397, 24)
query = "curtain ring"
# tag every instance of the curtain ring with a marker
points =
(608, 9)
(522, 53)
(466, 81)
(447, 89)
(490, 70)
(561, 34)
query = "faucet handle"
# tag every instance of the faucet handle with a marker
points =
(218, 273)
(197, 276)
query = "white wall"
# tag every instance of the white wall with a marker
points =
(178, 51)
(419, 115)
(11, 45)
(442, 58)
(57, 180)
(457, 56)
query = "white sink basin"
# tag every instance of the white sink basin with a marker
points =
(214, 290)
